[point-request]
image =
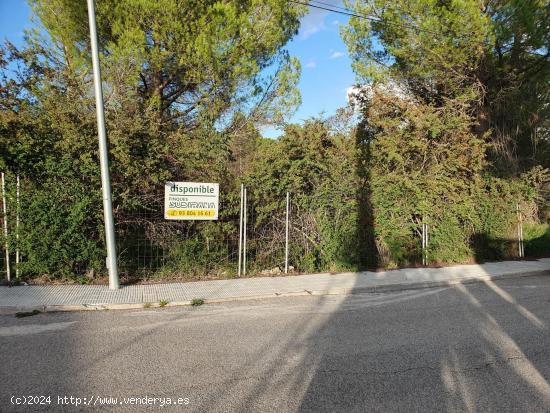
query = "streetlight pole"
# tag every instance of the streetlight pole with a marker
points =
(103, 156)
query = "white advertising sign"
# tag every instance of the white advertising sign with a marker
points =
(191, 200)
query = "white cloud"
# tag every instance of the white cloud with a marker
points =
(335, 22)
(312, 23)
(311, 64)
(336, 55)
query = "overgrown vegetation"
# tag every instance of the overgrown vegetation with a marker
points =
(436, 144)
(450, 127)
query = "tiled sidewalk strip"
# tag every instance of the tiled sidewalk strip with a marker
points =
(74, 297)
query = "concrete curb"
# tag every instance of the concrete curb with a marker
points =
(412, 285)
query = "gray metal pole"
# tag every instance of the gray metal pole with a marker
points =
(517, 227)
(103, 156)
(522, 242)
(241, 232)
(423, 244)
(17, 230)
(427, 242)
(520, 232)
(286, 230)
(244, 231)
(5, 213)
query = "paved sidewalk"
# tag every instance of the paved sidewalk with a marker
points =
(89, 297)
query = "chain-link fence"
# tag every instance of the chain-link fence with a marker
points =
(149, 246)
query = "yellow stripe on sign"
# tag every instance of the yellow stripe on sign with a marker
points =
(191, 212)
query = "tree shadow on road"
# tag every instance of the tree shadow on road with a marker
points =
(466, 348)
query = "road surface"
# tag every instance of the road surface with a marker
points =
(474, 348)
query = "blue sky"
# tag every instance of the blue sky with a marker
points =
(326, 68)
(14, 18)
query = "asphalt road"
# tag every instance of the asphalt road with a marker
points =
(474, 348)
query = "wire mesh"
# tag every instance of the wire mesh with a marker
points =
(149, 246)
(265, 240)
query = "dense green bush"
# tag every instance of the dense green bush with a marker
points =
(537, 239)
(476, 219)
(317, 166)
(60, 233)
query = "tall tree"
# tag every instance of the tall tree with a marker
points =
(432, 132)
(516, 75)
(492, 54)
(184, 60)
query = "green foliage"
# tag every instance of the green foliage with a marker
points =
(449, 241)
(432, 45)
(537, 239)
(184, 84)
(316, 165)
(200, 256)
(425, 165)
(185, 61)
(433, 141)
(60, 230)
(493, 54)
(516, 73)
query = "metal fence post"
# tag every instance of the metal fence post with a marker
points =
(427, 242)
(5, 213)
(241, 232)
(423, 244)
(522, 243)
(17, 229)
(286, 230)
(521, 250)
(244, 231)
(425, 229)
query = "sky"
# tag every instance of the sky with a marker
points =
(326, 67)
(14, 18)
